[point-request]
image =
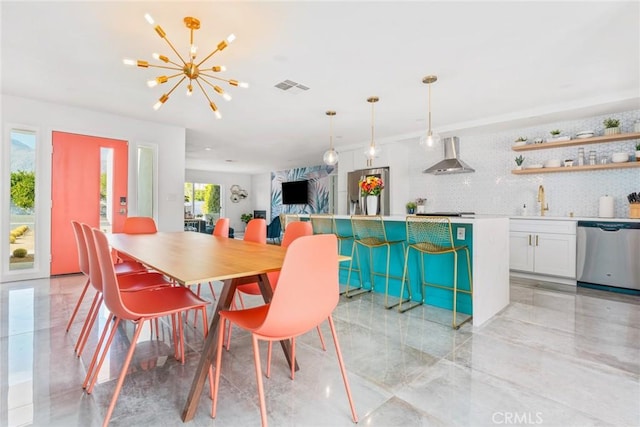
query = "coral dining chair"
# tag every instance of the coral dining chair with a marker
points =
(130, 282)
(138, 307)
(137, 225)
(306, 295)
(83, 261)
(221, 229)
(256, 231)
(295, 230)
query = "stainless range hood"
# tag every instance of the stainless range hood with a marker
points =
(451, 163)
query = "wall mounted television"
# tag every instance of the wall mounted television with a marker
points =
(295, 193)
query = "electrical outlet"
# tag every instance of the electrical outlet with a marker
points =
(461, 233)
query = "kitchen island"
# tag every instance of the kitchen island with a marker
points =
(488, 240)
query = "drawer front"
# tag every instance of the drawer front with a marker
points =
(543, 226)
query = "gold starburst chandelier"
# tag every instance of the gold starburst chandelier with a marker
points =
(188, 69)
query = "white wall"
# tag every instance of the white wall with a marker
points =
(493, 189)
(47, 117)
(261, 184)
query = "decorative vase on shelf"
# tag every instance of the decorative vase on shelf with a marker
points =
(612, 131)
(372, 205)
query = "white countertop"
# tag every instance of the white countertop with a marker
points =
(576, 218)
(468, 219)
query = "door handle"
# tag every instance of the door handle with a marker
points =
(529, 239)
(536, 240)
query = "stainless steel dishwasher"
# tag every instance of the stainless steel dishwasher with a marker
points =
(609, 254)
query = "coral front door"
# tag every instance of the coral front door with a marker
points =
(89, 185)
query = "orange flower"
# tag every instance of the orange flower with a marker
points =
(371, 186)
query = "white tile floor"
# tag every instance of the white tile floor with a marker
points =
(555, 356)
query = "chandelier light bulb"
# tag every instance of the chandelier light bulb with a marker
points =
(149, 19)
(157, 105)
(152, 83)
(128, 61)
(193, 51)
(230, 38)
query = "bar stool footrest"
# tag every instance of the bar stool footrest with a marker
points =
(402, 309)
(359, 291)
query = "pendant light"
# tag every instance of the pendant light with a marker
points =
(431, 138)
(331, 155)
(371, 152)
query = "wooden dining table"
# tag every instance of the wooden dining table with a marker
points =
(190, 258)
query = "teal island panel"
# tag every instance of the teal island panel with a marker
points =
(438, 268)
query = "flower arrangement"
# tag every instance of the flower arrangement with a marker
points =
(371, 186)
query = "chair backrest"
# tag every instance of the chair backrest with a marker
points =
(110, 290)
(368, 227)
(83, 257)
(433, 230)
(295, 230)
(140, 225)
(221, 228)
(274, 229)
(256, 231)
(307, 291)
(95, 275)
(322, 223)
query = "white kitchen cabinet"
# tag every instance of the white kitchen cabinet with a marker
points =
(546, 247)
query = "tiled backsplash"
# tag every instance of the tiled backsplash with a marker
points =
(493, 189)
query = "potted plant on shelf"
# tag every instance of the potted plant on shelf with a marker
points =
(519, 161)
(611, 126)
(411, 207)
(246, 217)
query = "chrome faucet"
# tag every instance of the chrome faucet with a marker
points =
(543, 206)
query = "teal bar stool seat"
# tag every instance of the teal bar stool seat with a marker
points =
(369, 233)
(432, 236)
(326, 224)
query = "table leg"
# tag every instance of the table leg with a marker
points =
(208, 351)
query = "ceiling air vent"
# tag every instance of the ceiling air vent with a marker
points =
(291, 87)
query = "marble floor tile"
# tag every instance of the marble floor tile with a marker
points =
(556, 356)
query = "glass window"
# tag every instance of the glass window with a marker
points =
(202, 205)
(22, 219)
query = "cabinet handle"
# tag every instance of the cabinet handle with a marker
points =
(536, 240)
(529, 239)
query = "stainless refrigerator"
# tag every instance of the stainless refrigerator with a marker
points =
(355, 202)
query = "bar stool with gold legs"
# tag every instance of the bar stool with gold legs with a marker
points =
(326, 224)
(433, 236)
(369, 232)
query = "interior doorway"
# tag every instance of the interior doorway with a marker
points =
(88, 184)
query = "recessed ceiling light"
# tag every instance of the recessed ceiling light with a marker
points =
(207, 148)
(230, 161)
